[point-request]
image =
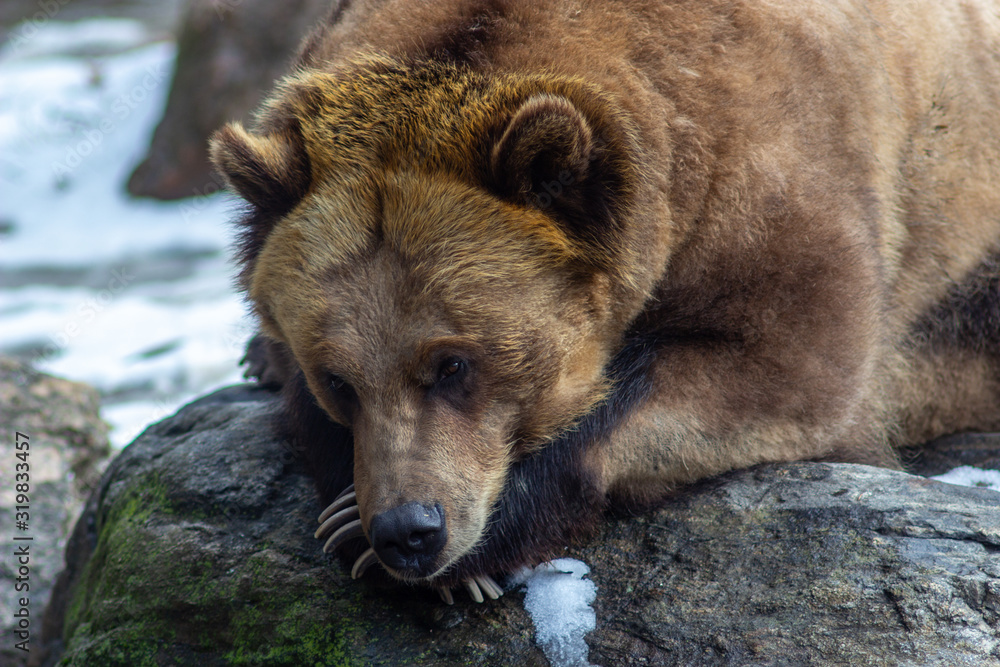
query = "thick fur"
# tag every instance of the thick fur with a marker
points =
(660, 240)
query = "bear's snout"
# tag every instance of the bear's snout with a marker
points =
(409, 537)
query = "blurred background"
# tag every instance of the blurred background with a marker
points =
(114, 233)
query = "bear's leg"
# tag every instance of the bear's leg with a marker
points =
(683, 433)
(269, 362)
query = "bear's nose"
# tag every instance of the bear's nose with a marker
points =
(409, 537)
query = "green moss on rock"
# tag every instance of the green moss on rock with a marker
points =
(140, 594)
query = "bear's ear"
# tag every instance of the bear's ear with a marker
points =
(270, 171)
(547, 137)
(550, 157)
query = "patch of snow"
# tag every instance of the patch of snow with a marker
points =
(36, 38)
(71, 131)
(969, 476)
(129, 420)
(132, 296)
(558, 599)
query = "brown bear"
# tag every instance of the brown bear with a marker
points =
(520, 262)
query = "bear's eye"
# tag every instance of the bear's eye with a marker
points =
(451, 368)
(339, 387)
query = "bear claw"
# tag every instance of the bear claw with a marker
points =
(341, 519)
(445, 594)
(476, 587)
(489, 586)
(346, 532)
(344, 500)
(337, 520)
(364, 561)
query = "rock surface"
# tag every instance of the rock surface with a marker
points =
(66, 446)
(229, 53)
(197, 549)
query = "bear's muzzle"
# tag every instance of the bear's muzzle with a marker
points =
(408, 538)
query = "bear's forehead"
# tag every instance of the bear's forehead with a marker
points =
(410, 117)
(378, 288)
(439, 230)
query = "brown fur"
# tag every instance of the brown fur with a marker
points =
(788, 212)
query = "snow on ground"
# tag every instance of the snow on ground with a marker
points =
(969, 476)
(131, 296)
(71, 130)
(558, 599)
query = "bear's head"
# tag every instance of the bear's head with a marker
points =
(444, 255)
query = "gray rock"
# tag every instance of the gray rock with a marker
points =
(66, 446)
(197, 549)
